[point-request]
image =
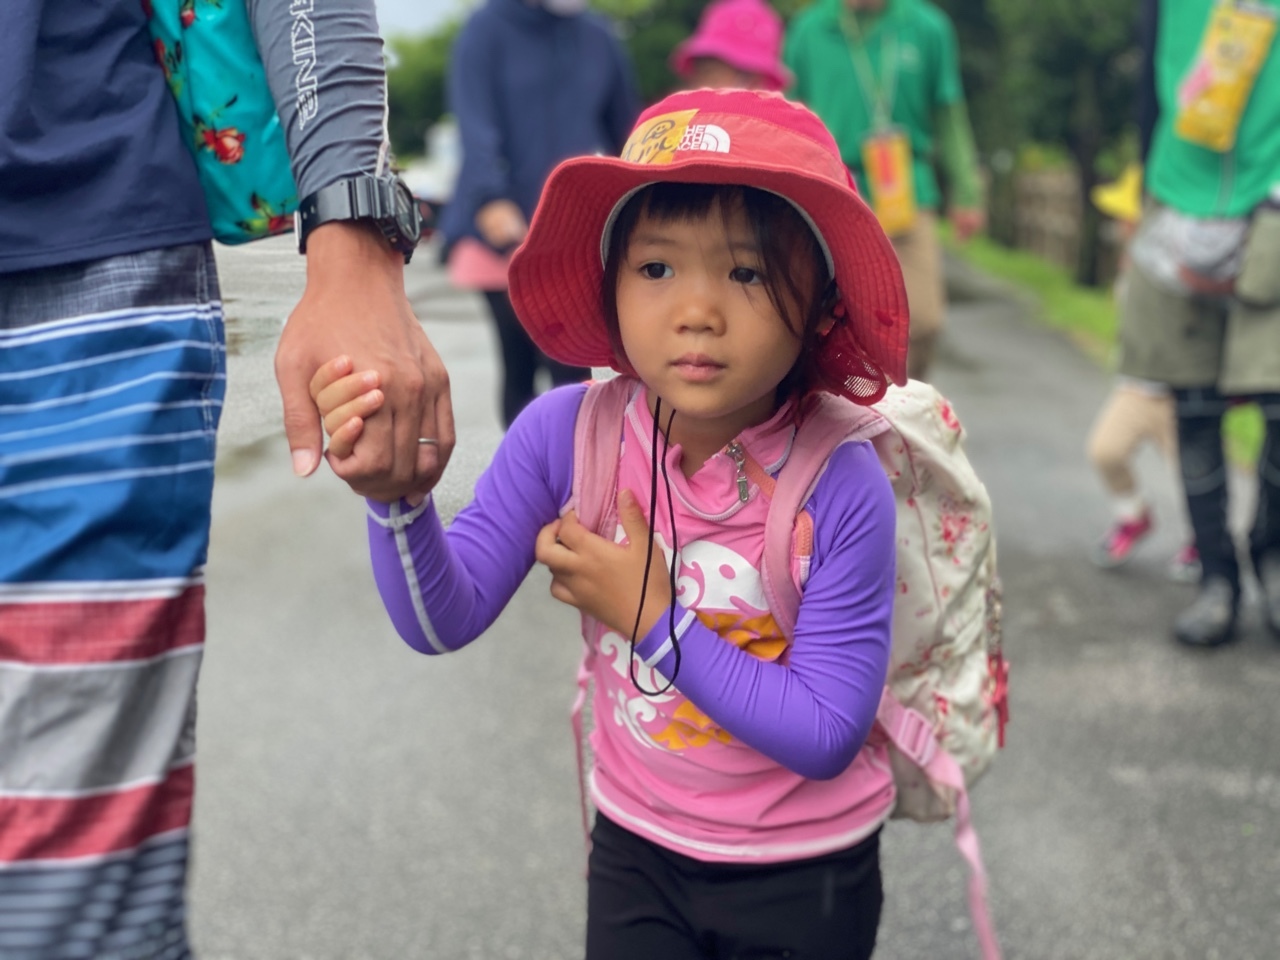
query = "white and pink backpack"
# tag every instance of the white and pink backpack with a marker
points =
(945, 704)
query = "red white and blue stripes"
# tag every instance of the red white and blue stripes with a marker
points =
(111, 382)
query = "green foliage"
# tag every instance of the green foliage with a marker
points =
(1072, 67)
(982, 69)
(416, 86)
(652, 35)
(1052, 73)
(1038, 157)
(622, 11)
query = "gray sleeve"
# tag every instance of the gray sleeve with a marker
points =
(324, 62)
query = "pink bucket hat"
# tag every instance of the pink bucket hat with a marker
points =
(745, 137)
(746, 34)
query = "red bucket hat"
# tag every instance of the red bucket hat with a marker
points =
(749, 138)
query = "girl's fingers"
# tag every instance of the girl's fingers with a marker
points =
(547, 549)
(342, 441)
(332, 371)
(363, 406)
(342, 391)
(562, 593)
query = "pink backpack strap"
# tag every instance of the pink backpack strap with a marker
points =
(829, 422)
(597, 444)
(597, 439)
(914, 737)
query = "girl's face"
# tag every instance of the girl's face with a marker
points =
(697, 322)
(710, 72)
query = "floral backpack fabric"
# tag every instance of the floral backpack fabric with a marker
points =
(226, 114)
(945, 705)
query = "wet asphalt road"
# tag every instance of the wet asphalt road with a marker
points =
(357, 800)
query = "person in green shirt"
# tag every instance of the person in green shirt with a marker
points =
(1201, 312)
(884, 77)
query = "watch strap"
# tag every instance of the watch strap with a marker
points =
(357, 198)
(384, 201)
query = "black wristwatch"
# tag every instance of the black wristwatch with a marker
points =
(385, 201)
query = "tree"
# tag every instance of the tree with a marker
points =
(416, 85)
(1071, 78)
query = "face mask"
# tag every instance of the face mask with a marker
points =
(564, 8)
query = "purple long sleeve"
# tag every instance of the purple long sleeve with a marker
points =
(444, 588)
(811, 713)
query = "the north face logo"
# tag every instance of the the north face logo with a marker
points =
(705, 136)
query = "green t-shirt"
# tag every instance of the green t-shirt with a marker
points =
(1194, 179)
(925, 72)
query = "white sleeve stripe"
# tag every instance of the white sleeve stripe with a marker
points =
(398, 520)
(411, 581)
(669, 644)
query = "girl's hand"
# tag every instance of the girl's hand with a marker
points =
(345, 400)
(602, 578)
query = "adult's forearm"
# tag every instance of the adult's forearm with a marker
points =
(324, 63)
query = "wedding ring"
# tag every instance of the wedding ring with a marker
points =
(431, 441)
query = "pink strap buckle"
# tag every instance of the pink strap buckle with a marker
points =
(908, 730)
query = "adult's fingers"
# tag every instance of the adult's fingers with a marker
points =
(434, 457)
(301, 418)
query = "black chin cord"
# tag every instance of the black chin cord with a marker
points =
(648, 563)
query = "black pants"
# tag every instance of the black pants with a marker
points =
(521, 359)
(1204, 477)
(645, 902)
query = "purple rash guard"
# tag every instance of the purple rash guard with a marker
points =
(812, 714)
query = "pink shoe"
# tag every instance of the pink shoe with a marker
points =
(1120, 540)
(1185, 565)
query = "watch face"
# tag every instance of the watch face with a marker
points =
(407, 216)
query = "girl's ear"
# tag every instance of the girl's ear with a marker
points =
(835, 314)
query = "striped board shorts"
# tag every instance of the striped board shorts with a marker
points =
(112, 374)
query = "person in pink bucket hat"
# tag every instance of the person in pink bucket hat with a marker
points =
(738, 43)
(725, 265)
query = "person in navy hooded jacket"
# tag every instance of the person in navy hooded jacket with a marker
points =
(530, 84)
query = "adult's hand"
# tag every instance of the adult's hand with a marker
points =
(354, 304)
(501, 223)
(966, 221)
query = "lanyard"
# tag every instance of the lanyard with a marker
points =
(878, 96)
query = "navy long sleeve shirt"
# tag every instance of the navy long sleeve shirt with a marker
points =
(529, 89)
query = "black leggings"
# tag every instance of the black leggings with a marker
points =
(645, 902)
(521, 359)
(1204, 478)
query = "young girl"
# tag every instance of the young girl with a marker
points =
(727, 268)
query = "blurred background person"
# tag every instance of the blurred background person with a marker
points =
(530, 85)
(1135, 413)
(1213, 80)
(738, 43)
(884, 77)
